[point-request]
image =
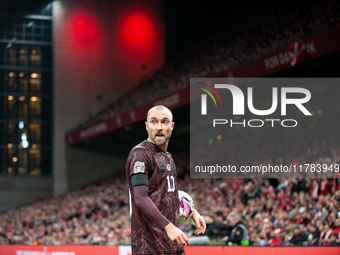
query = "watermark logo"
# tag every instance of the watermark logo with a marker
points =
(204, 97)
(238, 100)
(239, 103)
(263, 127)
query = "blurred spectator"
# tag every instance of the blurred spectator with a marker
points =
(325, 235)
(297, 237)
(255, 240)
(334, 240)
(325, 187)
(238, 234)
(336, 229)
(212, 226)
(314, 234)
(276, 238)
(314, 189)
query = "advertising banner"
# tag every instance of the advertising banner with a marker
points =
(191, 250)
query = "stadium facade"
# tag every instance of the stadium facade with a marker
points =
(89, 57)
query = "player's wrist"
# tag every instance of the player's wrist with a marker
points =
(168, 227)
(194, 212)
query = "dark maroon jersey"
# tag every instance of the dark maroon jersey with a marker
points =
(146, 237)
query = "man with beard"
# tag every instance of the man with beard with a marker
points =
(152, 179)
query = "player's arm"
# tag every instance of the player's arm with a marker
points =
(143, 201)
(199, 221)
(140, 186)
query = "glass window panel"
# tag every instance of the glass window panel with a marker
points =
(9, 131)
(22, 170)
(23, 55)
(35, 82)
(10, 160)
(37, 30)
(35, 56)
(18, 29)
(9, 84)
(10, 103)
(34, 161)
(23, 108)
(23, 83)
(11, 78)
(10, 170)
(35, 171)
(35, 106)
(22, 158)
(35, 133)
(12, 56)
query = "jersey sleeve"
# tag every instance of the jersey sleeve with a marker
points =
(138, 163)
(148, 207)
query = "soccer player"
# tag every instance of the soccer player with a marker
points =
(152, 179)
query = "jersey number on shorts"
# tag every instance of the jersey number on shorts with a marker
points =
(171, 183)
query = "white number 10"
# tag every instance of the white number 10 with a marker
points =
(171, 188)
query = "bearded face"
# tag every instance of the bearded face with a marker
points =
(159, 126)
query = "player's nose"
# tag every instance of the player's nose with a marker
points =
(159, 126)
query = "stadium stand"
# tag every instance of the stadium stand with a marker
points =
(275, 211)
(96, 214)
(250, 34)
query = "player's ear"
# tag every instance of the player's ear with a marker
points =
(146, 126)
(172, 125)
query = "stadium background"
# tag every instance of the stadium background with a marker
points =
(98, 76)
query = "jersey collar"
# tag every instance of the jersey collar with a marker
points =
(155, 146)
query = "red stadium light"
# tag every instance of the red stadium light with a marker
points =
(84, 30)
(137, 34)
(137, 30)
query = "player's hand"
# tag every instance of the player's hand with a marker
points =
(176, 235)
(225, 239)
(199, 221)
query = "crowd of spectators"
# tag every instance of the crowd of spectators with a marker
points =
(288, 211)
(293, 212)
(96, 214)
(250, 33)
